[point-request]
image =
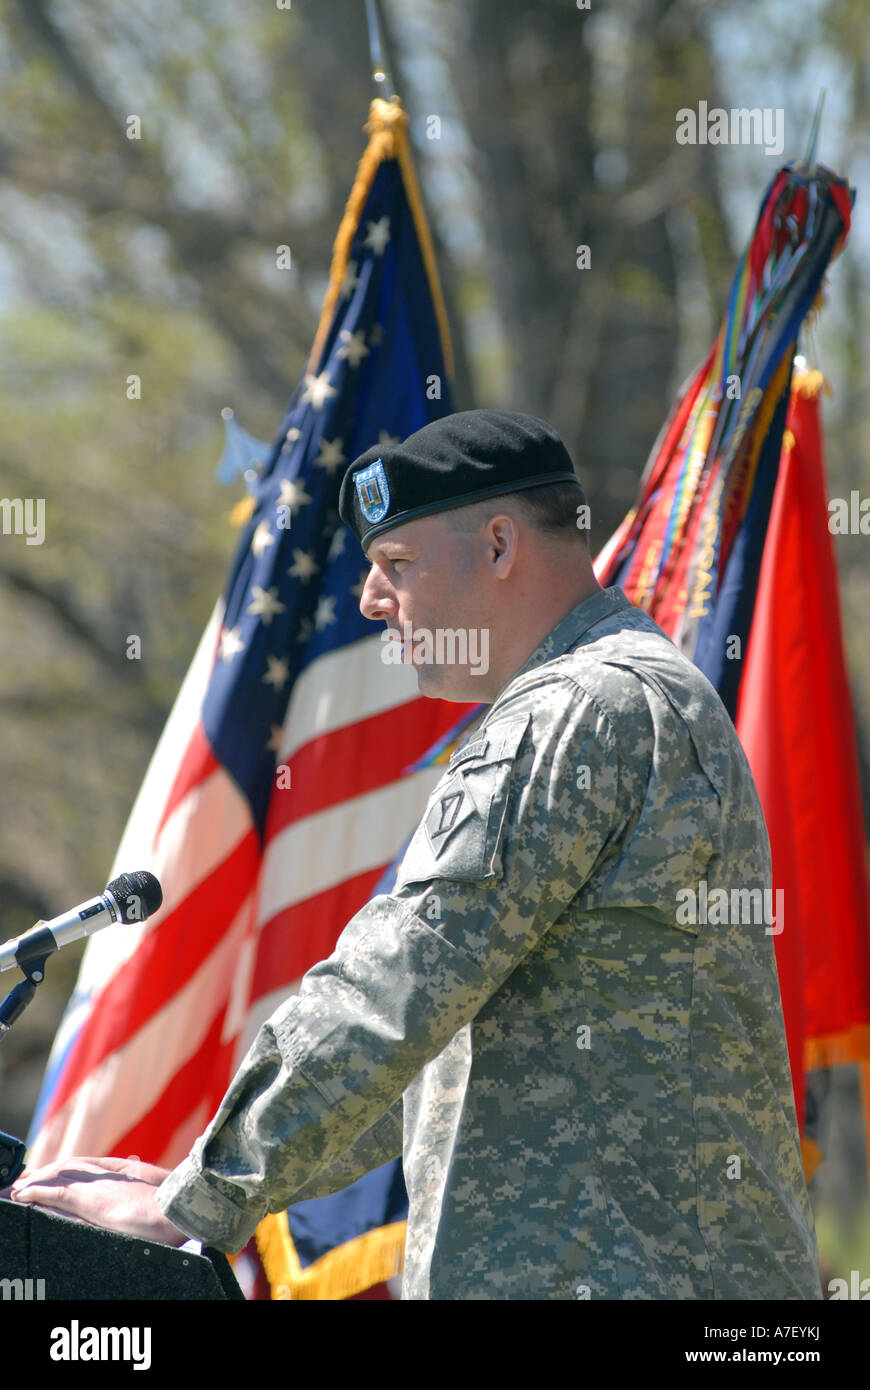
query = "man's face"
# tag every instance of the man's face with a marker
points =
(427, 583)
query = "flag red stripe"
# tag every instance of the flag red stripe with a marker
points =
(166, 959)
(203, 1077)
(199, 761)
(357, 759)
(300, 935)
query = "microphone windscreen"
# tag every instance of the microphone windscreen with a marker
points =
(137, 895)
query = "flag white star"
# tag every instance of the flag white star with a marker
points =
(265, 603)
(317, 389)
(384, 438)
(353, 346)
(303, 566)
(325, 613)
(278, 673)
(350, 281)
(331, 455)
(262, 538)
(292, 495)
(378, 234)
(274, 744)
(231, 642)
(337, 544)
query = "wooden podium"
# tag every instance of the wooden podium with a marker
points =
(49, 1257)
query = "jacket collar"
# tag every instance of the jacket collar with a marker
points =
(567, 633)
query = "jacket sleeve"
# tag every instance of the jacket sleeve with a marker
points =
(377, 1145)
(509, 836)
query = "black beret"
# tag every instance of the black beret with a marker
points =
(458, 459)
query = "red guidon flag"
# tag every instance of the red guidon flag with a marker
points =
(794, 718)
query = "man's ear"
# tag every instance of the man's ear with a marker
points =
(502, 540)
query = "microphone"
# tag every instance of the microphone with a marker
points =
(128, 898)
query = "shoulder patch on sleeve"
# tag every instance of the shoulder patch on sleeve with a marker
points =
(476, 749)
(459, 836)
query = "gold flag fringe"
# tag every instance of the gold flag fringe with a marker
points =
(810, 383)
(349, 1269)
(838, 1049)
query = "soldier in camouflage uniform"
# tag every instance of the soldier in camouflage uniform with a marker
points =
(590, 1090)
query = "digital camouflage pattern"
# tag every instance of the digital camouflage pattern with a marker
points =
(595, 1098)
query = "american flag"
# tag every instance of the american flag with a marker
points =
(293, 767)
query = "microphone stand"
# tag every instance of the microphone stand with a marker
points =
(31, 959)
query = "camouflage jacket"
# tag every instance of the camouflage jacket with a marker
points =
(589, 1073)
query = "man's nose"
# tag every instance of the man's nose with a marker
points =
(377, 601)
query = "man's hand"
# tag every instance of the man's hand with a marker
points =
(119, 1193)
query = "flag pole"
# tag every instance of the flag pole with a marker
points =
(381, 75)
(810, 157)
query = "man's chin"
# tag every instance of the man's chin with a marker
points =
(431, 682)
(435, 683)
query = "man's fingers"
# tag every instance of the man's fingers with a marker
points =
(48, 1170)
(41, 1194)
(55, 1211)
(117, 1164)
(147, 1172)
(73, 1170)
(132, 1165)
(87, 1169)
(56, 1200)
